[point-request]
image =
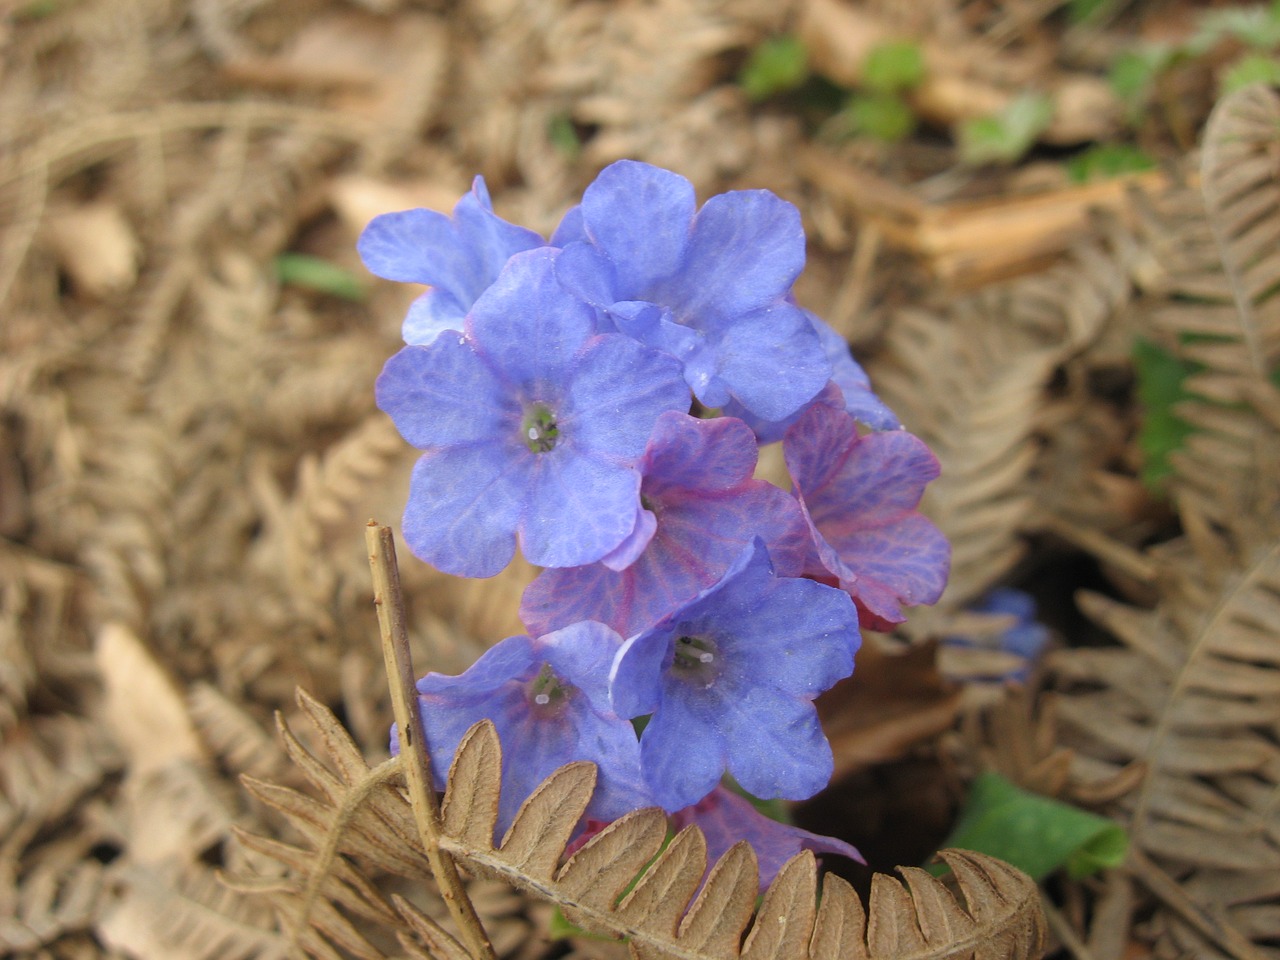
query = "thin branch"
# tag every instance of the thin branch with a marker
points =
(389, 602)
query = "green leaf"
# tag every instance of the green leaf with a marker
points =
(1161, 379)
(1081, 11)
(563, 136)
(893, 67)
(312, 273)
(1105, 160)
(1036, 834)
(884, 116)
(1251, 68)
(1007, 136)
(775, 66)
(1134, 72)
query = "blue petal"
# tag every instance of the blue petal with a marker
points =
(570, 229)
(639, 216)
(432, 314)
(745, 252)
(464, 505)
(637, 541)
(461, 254)
(587, 274)
(444, 394)
(635, 680)
(773, 361)
(682, 751)
(776, 745)
(579, 508)
(617, 393)
(529, 327)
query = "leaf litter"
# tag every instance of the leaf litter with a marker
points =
(189, 448)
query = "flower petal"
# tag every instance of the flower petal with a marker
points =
(463, 508)
(618, 391)
(776, 745)
(529, 327)
(579, 508)
(639, 216)
(443, 394)
(682, 754)
(773, 361)
(745, 251)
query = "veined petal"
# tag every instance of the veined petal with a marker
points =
(617, 393)
(745, 251)
(639, 216)
(529, 327)
(443, 394)
(773, 361)
(682, 755)
(635, 679)
(776, 745)
(637, 541)
(904, 562)
(695, 454)
(579, 508)
(464, 505)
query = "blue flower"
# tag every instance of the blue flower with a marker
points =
(708, 286)
(860, 495)
(459, 256)
(854, 394)
(730, 679)
(1016, 647)
(700, 508)
(531, 424)
(548, 699)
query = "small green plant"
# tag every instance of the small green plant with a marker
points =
(313, 273)
(778, 65)
(1161, 379)
(1006, 136)
(1105, 160)
(880, 109)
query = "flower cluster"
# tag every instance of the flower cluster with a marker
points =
(550, 387)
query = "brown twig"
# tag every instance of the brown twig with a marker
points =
(413, 747)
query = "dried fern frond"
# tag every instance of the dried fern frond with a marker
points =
(988, 360)
(167, 911)
(1193, 695)
(659, 915)
(1220, 274)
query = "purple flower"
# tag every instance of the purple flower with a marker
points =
(548, 700)
(708, 286)
(531, 424)
(853, 395)
(700, 508)
(459, 256)
(860, 495)
(725, 818)
(730, 679)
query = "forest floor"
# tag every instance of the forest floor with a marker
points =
(1054, 256)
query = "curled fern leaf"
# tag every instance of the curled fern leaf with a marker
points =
(621, 883)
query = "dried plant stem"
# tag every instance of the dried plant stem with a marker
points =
(413, 748)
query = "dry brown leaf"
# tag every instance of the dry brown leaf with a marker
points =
(97, 246)
(893, 701)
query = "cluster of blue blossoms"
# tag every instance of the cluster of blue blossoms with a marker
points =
(550, 386)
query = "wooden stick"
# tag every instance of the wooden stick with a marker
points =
(389, 602)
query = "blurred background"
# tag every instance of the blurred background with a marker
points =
(1010, 218)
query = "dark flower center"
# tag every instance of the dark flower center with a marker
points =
(539, 429)
(697, 659)
(548, 692)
